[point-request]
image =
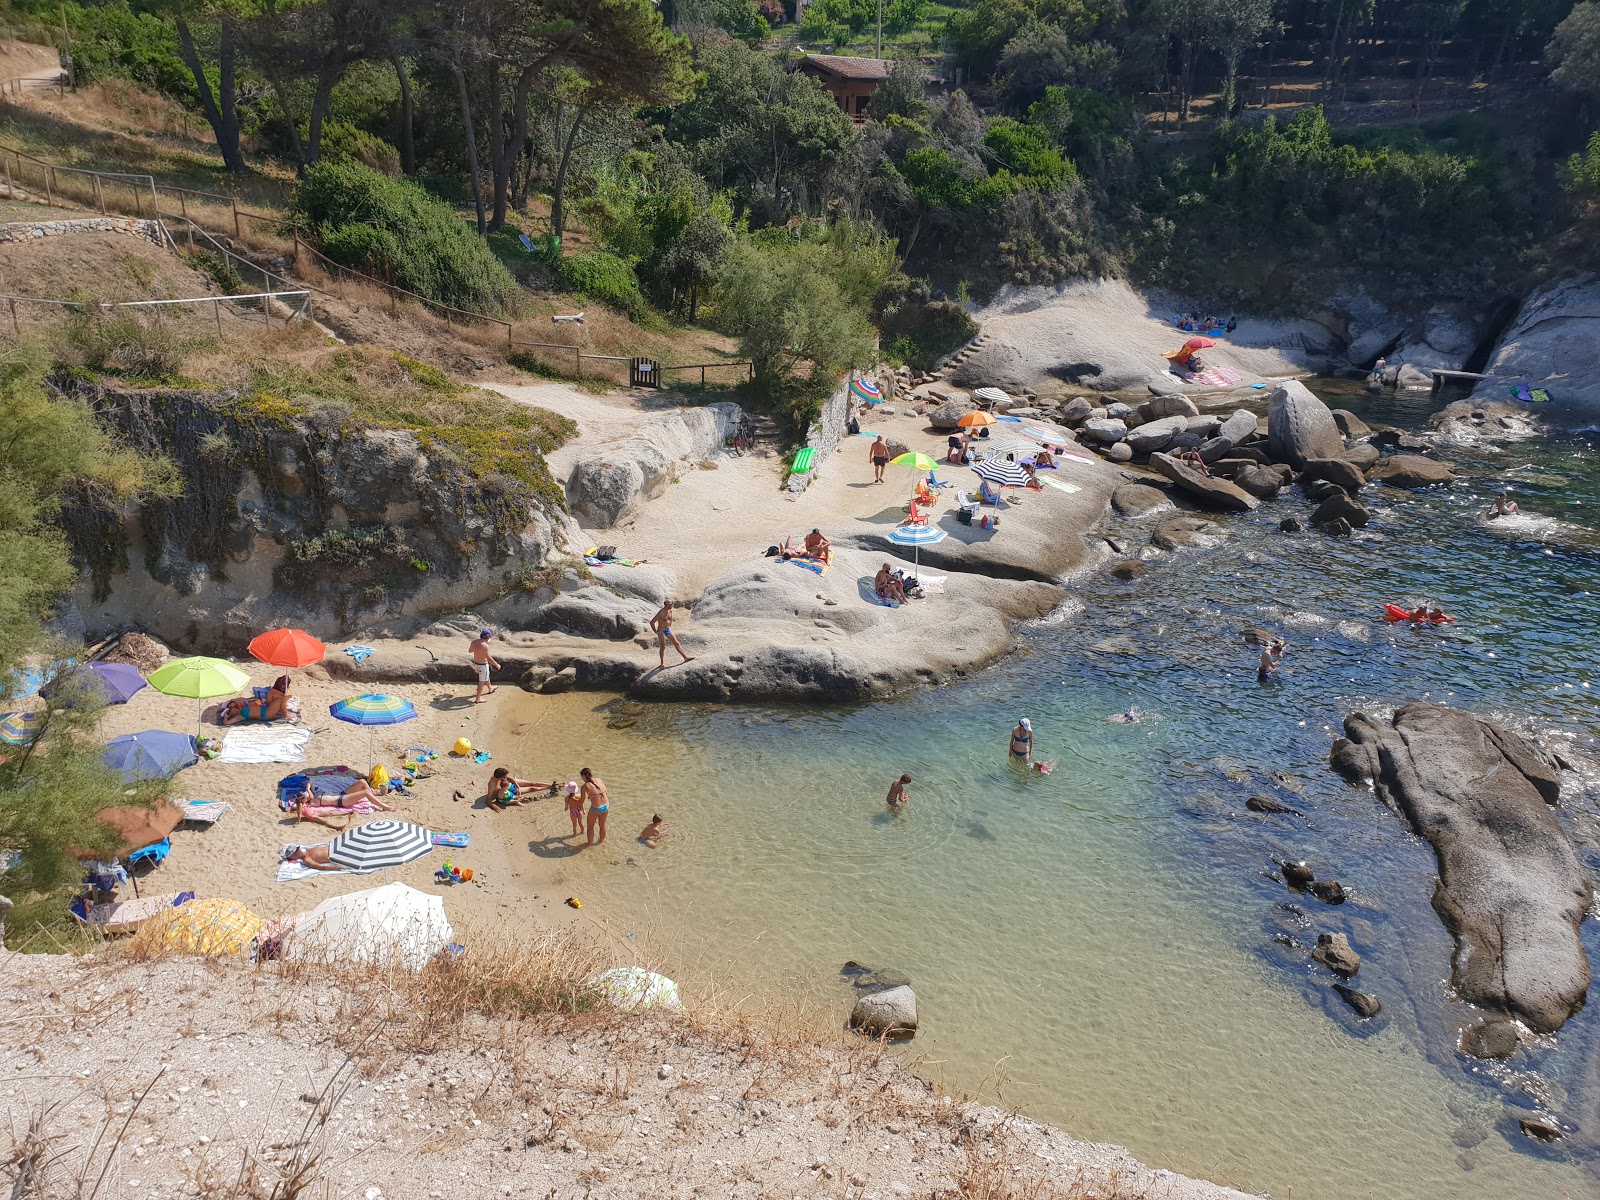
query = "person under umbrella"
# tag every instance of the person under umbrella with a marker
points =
(200, 678)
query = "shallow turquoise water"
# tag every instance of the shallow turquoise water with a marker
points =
(1094, 946)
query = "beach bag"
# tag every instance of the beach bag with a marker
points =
(380, 776)
(773, 552)
(605, 552)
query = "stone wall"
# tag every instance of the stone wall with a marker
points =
(825, 434)
(25, 231)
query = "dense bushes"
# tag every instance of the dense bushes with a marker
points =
(605, 277)
(393, 229)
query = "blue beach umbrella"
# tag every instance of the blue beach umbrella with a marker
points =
(153, 754)
(371, 710)
(116, 683)
(917, 536)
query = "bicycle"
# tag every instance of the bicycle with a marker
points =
(743, 437)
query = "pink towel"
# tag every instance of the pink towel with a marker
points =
(332, 810)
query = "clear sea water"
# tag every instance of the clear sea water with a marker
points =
(1095, 946)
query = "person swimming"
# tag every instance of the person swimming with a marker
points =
(899, 796)
(1022, 740)
(1271, 655)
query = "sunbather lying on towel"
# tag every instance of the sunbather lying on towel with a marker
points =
(505, 790)
(309, 804)
(315, 857)
(274, 708)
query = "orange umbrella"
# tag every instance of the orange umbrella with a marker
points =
(287, 648)
(1198, 343)
(976, 419)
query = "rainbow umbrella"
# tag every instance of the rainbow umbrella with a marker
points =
(917, 536)
(371, 710)
(287, 648)
(866, 391)
(20, 728)
(200, 678)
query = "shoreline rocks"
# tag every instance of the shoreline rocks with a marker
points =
(1510, 889)
(890, 1013)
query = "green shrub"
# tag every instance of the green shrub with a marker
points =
(395, 230)
(113, 41)
(604, 277)
(344, 142)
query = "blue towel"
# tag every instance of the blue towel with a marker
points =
(359, 653)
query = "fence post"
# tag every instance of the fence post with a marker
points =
(394, 302)
(216, 307)
(15, 328)
(99, 194)
(49, 192)
(138, 207)
(702, 375)
(11, 189)
(183, 208)
(508, 335)
(236, 232)
(577, 362)
(296, 232)
(155, 199)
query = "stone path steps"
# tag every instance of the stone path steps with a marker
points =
(960, 356)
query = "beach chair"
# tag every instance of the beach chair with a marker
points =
(124, 916)
(967, 502)
(155, 854)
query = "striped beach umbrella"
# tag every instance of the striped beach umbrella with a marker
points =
(20, 728)
(377, 844)
(917, 536)
(1053, 437)
(866, 391)
(372, 710)
(991, 395)
(999, 471)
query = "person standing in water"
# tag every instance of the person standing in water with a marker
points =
(482, 660)
(879, 454)
(899, 797)
(594, 791)
(661, 626)
(1271, 654)
(1022, 740)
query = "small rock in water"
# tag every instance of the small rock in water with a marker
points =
(1541, 1127)
(1290, 525)
(1297, 874)
(1329, 891)
(891, 1013)
(1265, 804)
(1365, 1004)
(1129, 571)
(1490, 1038)
(1335, 952)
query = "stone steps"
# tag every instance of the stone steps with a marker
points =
(960, 356)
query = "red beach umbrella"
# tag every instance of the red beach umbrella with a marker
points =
(1199, 343)
(287, 648)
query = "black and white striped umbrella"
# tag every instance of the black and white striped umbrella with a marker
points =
(380, 844)
(998, 470)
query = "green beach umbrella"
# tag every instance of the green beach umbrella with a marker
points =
(198, 678)
(917, 462)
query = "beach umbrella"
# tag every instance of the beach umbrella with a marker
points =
(1042, 433)
(20, 728)
(917, 536)
(917, 462)
(635, 987)
(25, 681)
(866, 391)
(993, 395)
(998, 470)
(1198, 343)
(371, 710)
(389, 925)
(153, 754)
(213, 926)
(977, 419)
(383, 843)
(114, 682)
(287, 648)
(201, 679)
(1010, 446)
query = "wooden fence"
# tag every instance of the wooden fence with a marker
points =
(261, 300)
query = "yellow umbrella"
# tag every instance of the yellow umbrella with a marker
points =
(214, 926)
(199, 677)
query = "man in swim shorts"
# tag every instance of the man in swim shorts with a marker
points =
(899, 797)
(1270, 656)
(661, 626)
(482, 660)
(879, 454)
(1022, 740)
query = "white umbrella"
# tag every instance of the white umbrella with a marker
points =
(916, 536)
(634, 987)
(392, 924)
(1020, 446)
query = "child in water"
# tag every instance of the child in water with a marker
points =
(898, 796)
(575, 808)
(655, 831)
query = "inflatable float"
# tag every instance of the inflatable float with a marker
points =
(1393, 612)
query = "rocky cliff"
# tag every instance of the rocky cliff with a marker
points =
(302, 512)
(1553, 344)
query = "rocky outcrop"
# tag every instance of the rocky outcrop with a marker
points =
(1214, 493)
(1333, 950)
(949, 413)
(1440, 339)
(1553, 343)
(1410, 471)
(1510, 888)
(1137, 499)
(1156, 435)
(1300, 426)
(606, 487)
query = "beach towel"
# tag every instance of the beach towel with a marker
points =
(1211, 376)
(814, 565)
(265, 744)
(288, 872)
(359, 653)
(1058, 485)
(360, 808)
(204, 812)
(456, 840)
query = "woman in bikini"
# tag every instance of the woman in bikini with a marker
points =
(274, 708)
(1022, 740)
(594, 791)
(346, 800)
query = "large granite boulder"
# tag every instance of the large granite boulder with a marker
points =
(1510, 888)
(1238, 427)
(1410, 471)
(1553, 343)
(1442, 339)
(1352, 426)
(1338, 471)
(1300, 426)
(949, 413)
(890, 1013)
(1157, 434)
(610, 484)
(1362, 455)
(1137, 499)
(1214, 493)
(1167, 406)
(1105, 430)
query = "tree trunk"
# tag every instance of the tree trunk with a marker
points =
(327, 79)
(1333, 48)
(558, 208)
(472, 145)
(282, 93)
(1506, 32)
(408, 148)
(505, 145)
(1266, 102)
(1185, 81)
(224, 117)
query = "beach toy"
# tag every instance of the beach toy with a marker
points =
(462, 747)
(574, 902)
